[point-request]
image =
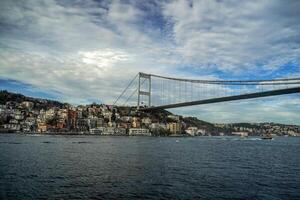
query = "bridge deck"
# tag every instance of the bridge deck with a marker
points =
(228, 98)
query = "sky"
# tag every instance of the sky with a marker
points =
(84, 51)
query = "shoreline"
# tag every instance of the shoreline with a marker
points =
(87, 134)
(122, 135)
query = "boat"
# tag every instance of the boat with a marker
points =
(267, 137)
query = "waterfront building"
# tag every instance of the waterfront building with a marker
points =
(174, 127)
(192, 131)
(241, 133)
(12, 127)
(120, 131)
(139, 131)
(201, 131)
(97, 131)
(109, 131)
(72, 119)
(82, 124)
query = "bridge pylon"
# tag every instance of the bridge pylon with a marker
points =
(144, 89)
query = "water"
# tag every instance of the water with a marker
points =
(99, 167)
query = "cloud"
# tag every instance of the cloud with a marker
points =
(88, 49)
(236, 36)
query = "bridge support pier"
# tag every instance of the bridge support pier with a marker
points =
(144, 91)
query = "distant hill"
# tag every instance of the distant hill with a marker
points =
(211, 128)
(6, 96)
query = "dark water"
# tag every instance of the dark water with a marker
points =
(90, 167)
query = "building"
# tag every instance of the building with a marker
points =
(96, 122)
(192, 131)
(126, 118)
(41, 127)
(109, 131)
(49, 114)
(139, 132)
(72, 119)
(174, 127)
(242, 134)
(201, 132)
(136, 122)
(174, 117)
(82, 124)
(27, 104)
(154, 126)
(120, 131)
(97, 131)
(146, 121)
(112, 124)
(12, 127)
(126, 125)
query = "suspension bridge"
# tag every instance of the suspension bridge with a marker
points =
(150, 92)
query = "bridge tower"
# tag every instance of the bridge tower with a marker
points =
(144, 89)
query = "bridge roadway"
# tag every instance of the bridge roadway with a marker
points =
(228, 98)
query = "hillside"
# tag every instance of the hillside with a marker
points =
(6, 97)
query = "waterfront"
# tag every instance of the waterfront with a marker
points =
(97, 167)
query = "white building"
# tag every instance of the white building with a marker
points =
(109, 131)
(139, 131)
(120, 131)
(97, 131)
(201, 132)
(174, 117)
(242, 134)
(158, 126)
(192, 131)
(146, 121)
(14, 127)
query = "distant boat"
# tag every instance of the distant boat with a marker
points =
(267, 137)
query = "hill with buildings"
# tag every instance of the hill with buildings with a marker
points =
(22, 114)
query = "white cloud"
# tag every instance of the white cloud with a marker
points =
(235, 36)
(103, 58)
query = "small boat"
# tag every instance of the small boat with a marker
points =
(267, 137)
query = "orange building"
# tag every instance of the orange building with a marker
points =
(42, 127)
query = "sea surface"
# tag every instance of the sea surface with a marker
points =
(103, 167)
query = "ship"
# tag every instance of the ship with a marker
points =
(267, 136)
